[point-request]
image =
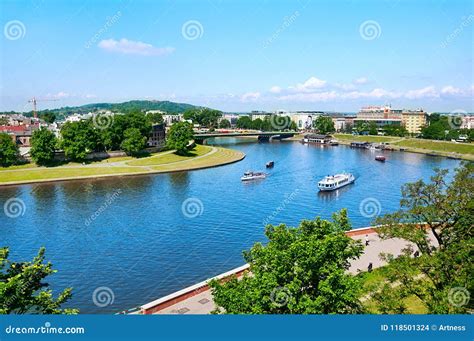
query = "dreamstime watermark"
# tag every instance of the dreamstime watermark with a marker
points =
(110, 199)
(14, 207)
(287, 21)
(192, 208)
(370, 207)
(370, 30)
(458, 296)
(192, 30)
(110, 21)
(288, 198)
(103, 296)
(457, 31)
(456, 117)
(279, 122)
(102, 121)
(14, 30)
(46, 329)
(280, 296)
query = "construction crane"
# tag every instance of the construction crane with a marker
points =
(34, 100)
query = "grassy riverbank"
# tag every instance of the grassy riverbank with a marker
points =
(442, 148)
(200, 157)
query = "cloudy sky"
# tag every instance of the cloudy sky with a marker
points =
(238, 56)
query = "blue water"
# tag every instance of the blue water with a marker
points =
(130, 234)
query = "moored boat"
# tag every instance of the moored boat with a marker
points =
(250, 175)
(380, 158)
(333, 182)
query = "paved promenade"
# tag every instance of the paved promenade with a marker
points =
(197, 299)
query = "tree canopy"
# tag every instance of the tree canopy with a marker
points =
(79, 139)
(324, 124)
(8, 150)
(133, 141)
(443, 272)
(22, 290)
(300, 270)
(43, 146)
(179, 136)
(203, 116)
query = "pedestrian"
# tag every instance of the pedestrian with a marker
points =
(416, 254)
(369, 268)
(366, 240)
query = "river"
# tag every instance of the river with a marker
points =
(144, 237)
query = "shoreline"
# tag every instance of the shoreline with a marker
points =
(236, 157)
(397, 148)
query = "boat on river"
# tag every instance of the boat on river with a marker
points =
(380, 158)
(270, 164)
(250, 175)
(333, 182)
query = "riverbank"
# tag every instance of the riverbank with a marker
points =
(455, 150)
(198, 299)
(164, 162)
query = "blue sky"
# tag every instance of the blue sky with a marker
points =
(239, 55)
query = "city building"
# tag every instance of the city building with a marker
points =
(380, 115)
(414, 120)
(20, 134)
(169, 119)
(232, 118)
(467, 122)
(157, 136)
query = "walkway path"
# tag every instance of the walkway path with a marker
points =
(198, 299)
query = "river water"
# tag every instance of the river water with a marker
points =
(134, 239)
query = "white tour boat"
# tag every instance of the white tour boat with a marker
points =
(249, 175)
(332, 182)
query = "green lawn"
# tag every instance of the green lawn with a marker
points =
(163, 158)
(162, 162)
(369, 279)
(41, 173)
(438, 146)
(366, 138)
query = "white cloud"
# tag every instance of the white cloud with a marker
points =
(451, 90)
(275, 89)
(250, 96)
(311, 83)
(126, 46)
(427, 92)
(361, 80)
(310, 97)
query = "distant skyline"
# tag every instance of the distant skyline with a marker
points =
(239, 56)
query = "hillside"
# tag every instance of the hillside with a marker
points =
(166, 106)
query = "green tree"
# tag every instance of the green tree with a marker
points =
(48, 116)
(203, 116)
(373, 128)
(324, 124)
(8, 150)
(22, 290)
(112, 136)
(293, 126)
(43, 146)
(3, 121)
(441, 277)
(244, 122)
(348, 128)
(300, 270)
(224, 123)
(395, 130)
(155, 118)
(133, 141)
(78, 139)
(179, 136)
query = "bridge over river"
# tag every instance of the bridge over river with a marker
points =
(261, 135)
